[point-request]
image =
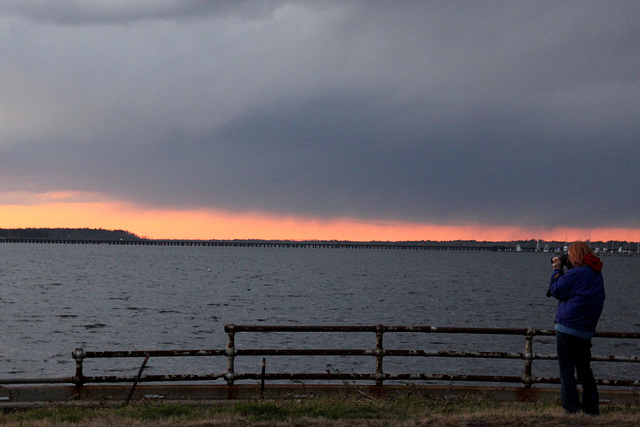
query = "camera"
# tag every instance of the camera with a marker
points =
(564, 261)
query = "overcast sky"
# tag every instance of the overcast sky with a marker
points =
(498, 113)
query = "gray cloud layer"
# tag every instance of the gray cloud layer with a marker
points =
(499, 112)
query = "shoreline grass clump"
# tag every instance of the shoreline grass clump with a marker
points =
(322, 411)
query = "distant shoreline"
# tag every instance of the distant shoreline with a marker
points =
(102, 236)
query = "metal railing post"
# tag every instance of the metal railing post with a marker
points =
(262, 374)
(528, 358)
(78, 355)
(379, 352)
(231, 353)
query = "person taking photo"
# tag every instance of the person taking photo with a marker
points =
(580, 294)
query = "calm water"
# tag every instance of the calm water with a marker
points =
(54, 298)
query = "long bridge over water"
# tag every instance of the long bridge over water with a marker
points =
(278, 244)
(425, 246)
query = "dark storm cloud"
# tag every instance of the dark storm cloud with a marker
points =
(513, 113)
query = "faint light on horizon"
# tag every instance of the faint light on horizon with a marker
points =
(64, 210)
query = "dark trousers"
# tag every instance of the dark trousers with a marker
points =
(574, 355)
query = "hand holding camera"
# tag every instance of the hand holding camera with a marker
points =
(559, 263)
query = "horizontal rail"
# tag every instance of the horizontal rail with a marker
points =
(424, 329)
(418, 353)
(152, 353)
(152, 378)
(383, 328)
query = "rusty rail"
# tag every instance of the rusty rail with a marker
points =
(378, 352)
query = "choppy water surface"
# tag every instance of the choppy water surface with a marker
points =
(54, 298)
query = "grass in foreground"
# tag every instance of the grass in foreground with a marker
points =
(317, 412)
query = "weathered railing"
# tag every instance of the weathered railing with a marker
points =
(378, 352)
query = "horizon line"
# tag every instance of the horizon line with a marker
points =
(133, 234)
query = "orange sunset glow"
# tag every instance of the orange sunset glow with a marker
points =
(57, 211)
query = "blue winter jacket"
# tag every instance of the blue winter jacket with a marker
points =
(580, 295)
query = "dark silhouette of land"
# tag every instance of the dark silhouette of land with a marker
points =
(69, 234)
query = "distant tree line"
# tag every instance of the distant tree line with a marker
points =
(66, 234)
